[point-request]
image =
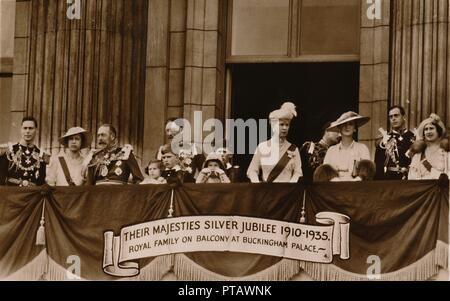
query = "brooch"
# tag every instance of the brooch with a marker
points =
(291, 154)
(104, 171)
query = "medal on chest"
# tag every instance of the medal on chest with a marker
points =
(118, 171)
(104, 171)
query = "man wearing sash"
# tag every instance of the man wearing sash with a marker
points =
(112, 164)
(277, 158)
(23, 164)
(66, 168)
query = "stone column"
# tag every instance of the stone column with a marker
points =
(374, 72)
(185, 64)
(421, 58)
(81, 72)
(7, 20)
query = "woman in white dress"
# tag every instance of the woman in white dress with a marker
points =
(430, 159)
(66, 168)
(277, 158)
(345, 156)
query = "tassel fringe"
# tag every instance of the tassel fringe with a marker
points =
(44, 268)
(423, 269)
(34, 270)
(155, 270)
(187, 270)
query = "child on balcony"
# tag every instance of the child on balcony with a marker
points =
(213, 170)
(153, 171)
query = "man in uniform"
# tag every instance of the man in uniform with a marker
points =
(191, 157)
(313, 153)
(391, 159)
(111, 164)
(23, 164)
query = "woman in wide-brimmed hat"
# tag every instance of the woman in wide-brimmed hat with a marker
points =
(431, 158)
(66, 168)
(278, 159)
(345, 155)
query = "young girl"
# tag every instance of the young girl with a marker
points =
(213, 170)
(153, 170)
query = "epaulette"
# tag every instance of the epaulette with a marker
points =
(6, 148)
(311, 148)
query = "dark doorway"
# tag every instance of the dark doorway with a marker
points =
(321, 92)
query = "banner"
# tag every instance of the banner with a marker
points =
(226, 233)
(402, 224)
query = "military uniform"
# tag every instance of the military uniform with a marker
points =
(191, 158)
(22, 166)
(113, 166)
(177, 174)
(391, 160)
(312, 155)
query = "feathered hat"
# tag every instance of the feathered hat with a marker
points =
(287, 111)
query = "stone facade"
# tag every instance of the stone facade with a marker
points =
(181, 67)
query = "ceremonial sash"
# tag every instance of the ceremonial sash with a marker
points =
(276, 171)
(425, 162)
(66, 172)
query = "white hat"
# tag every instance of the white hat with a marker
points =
(214, 157)
(78, 131)
(287, 111)
(436, 120)
(348, 117)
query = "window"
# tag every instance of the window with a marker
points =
(260, 27)
(293, 30)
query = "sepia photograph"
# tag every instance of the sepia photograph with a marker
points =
(200, 141)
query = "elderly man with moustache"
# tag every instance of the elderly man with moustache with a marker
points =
(111, 164)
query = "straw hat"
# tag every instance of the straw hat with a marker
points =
(287, 111)
(348, 117)
(77, 131)
(435, 119)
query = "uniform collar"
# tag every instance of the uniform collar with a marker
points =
(175, 168)
(401, 132)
